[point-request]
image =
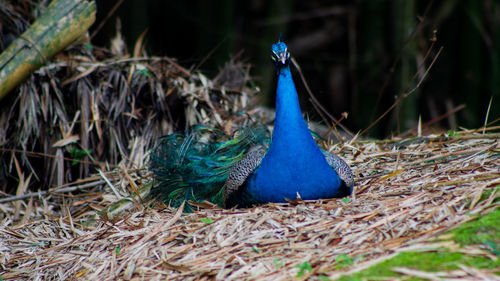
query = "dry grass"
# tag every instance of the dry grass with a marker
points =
(407, 192)
(90, 110)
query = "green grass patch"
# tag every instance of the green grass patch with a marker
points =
(303, 267)
(479, 231)
(207, 221)
(440, 260)
(483, 230)
(344, 261)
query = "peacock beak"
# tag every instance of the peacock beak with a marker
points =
(282, 57)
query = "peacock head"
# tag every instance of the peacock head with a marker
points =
(280, 54)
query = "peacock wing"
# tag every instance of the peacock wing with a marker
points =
(240, 172)
(341, 168)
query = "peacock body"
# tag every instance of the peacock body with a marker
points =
(251, 167)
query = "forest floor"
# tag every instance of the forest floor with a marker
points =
(424, 208)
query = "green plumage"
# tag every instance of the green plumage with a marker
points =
(194, 165)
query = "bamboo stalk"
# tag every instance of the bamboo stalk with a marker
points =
(60, 25)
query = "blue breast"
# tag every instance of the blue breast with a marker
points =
(279, 178)
(294, 163)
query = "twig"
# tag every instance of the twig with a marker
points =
(113, 10)
(45, 192)
(109, 62)
(42, 155)
(400, 54)
(117, 194)
(436, 139)
(404, 95)
(210, 53)
(435, 120)
(487, 115)
(318, 13)
(316, 103)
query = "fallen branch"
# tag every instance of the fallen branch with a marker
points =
(63, 22)
(51, 191)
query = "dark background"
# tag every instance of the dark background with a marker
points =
(357, 56)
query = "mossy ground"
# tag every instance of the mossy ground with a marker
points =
(483, 232)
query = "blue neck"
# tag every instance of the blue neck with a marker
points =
(290, 127)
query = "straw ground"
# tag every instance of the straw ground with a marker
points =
(407, 193)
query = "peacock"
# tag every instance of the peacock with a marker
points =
(252, 166)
